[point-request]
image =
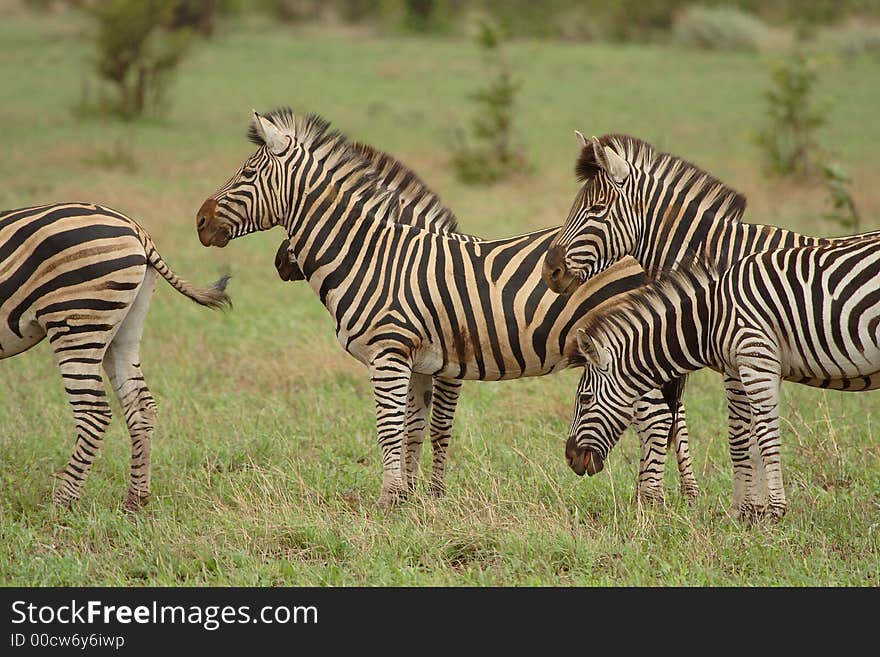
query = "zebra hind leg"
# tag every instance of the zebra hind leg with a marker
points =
(679, 441)
(81, 373)
(122, 364)
(446, 393)
(418, 409)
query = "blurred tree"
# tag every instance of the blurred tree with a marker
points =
(138, 49)
(197, 15)
(489, 154)
(788, 140)
(843, 208)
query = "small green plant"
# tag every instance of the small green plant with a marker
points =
(788, 140)
(488, 153)
(718, 28)
(136, 54)
(843, 208)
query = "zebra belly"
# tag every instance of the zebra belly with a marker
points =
(854, 374)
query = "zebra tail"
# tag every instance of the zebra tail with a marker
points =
(672, 392)
(213, 297)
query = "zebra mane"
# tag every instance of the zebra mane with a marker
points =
(644, 157)
(395, 175)
(670, 289)
(377, 172)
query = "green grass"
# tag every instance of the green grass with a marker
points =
(266, 468)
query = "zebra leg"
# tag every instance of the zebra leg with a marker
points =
(390, 374)
(446, 393)
(761, 383)
(122, 364)
(689, 486)
(418, 409)
(651, 421)
(739, 420)
(81, 373)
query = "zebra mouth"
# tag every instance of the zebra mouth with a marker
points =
(583, 460)
(219, 237)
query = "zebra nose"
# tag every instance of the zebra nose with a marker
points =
(206, 213)
(553, 271)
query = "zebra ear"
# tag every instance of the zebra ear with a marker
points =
(617, 167)
(614, 165)
(587, 347)
(582, 141)
(275, 140)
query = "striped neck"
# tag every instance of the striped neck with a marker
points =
(675, 207)
(663, 330)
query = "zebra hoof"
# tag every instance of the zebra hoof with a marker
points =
(437, 489)
(63, 499)
(691, 492)
(135, 502)
(776, 512)
(651, 497)
(391, 499)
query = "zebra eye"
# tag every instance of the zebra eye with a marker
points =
(596, 208)
(248, 172)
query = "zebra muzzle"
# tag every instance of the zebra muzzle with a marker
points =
(583, 460)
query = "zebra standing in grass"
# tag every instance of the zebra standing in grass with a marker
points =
(409, 303)
(418, 206)
(810, 315)
(83, 275)
(657, 208)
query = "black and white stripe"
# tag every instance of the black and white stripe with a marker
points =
(412, 303)
(83, 275)
(810, 315)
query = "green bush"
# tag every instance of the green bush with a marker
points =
(788, 139)
(487, 154)
(137, 54)
(722, 28)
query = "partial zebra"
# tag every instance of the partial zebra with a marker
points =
(83, 275)
(410, 304)
(419, 206)
(657, 208)
(810, 315)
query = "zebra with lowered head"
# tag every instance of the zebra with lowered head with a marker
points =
(410, 303)
(83, 275)
(657, 208)
(810, 315)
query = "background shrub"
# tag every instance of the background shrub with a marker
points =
(718, 28)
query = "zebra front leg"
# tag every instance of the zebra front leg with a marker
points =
(418, 409)
(761, 385)
(651, 421)
(446, 393)
(81, 373)
(739, 420)
(390, 374)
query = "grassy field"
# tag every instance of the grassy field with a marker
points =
(266, 468)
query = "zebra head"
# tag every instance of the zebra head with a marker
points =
(598, 230)
(254, 199)
(603, 409)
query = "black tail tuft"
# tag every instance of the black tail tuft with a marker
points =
(672, 392)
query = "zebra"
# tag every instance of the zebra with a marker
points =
(657, 208)
(409, 303)
(83, 275)
(421, 207)
(807, 314)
